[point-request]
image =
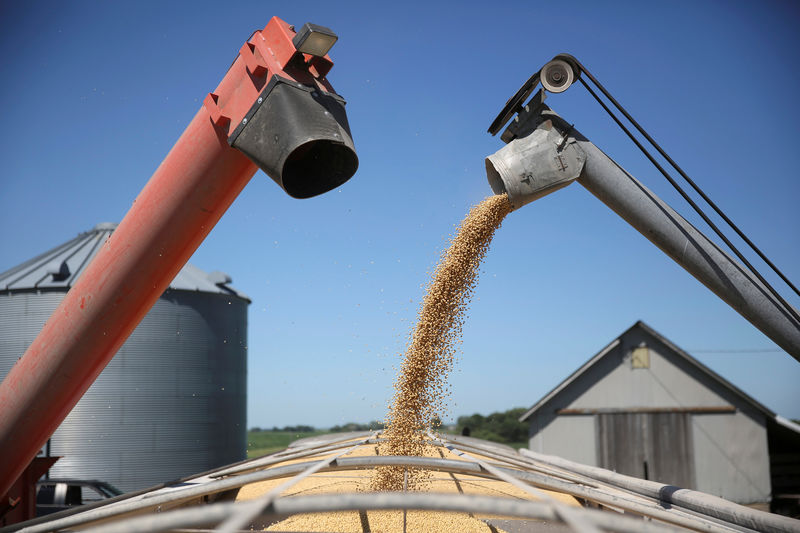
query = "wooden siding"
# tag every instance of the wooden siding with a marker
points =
(654, 446)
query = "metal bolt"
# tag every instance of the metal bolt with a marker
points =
(260, 99)
(244, 121)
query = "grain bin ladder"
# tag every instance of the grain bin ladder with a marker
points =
(545, 153)
(276, 89)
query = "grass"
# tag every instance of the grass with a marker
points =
(266, 442)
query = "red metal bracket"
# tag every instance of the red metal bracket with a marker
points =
(256, 66)
(212, 106)
(318, 66)
(276, 40)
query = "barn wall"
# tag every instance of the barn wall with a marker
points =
(668, 382)
(731, 456)
(571, 437)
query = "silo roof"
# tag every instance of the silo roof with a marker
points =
(59, 267)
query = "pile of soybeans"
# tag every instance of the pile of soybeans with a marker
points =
(421, 387)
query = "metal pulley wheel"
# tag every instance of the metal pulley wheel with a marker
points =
(557, 76)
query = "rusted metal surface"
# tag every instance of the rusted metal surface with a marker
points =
(19, 503)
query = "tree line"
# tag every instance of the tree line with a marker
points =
(294, 429)
(350, 426)
(503, 427)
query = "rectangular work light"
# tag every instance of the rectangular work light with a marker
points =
(314, 40)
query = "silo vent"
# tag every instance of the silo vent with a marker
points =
(219, 278)
(59, 271)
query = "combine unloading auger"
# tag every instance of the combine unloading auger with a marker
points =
(545, 153)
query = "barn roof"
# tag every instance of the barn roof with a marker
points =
(677, 351)
(58, 268)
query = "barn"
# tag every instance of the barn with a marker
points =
(643, 407)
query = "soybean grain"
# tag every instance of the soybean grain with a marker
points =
(421, 388)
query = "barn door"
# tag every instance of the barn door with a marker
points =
(653, 446)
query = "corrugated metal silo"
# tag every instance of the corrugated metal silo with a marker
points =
(172, 401)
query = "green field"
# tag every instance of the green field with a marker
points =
(515, 445)
(265, 442)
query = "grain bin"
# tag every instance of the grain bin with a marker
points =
(171, 402)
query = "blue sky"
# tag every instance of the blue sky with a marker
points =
(95, 93)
